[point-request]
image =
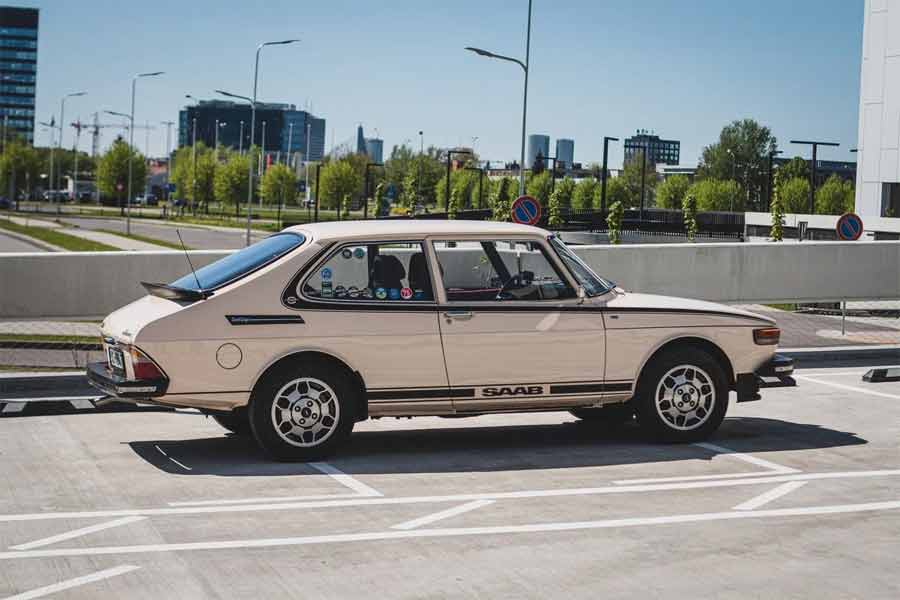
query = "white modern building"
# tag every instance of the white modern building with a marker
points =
(878, 171)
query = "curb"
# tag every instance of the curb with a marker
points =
(32, 241)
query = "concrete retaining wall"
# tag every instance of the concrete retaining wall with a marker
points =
(80, 284)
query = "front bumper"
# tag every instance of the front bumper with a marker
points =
(775, 373)
(112, 384)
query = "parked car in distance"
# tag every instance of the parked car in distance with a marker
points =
(146, 200)
(298, 337)
(5, 204)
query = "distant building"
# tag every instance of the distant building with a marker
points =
(666, 171)
(537, 144)
(18, 70)
(565, 154)
(659, 151)
(375, 150)
(360, 141)
(878, 177)
(286, 127)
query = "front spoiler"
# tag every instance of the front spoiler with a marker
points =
(775, 373)
(112, 384)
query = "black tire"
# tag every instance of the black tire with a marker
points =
(691, 416)
(613, 416)
(328, 400)
(237, 422)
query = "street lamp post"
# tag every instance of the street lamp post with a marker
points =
(421, 159)
(813, 167)
(62, 128)
(253, 123)
(366, 190)
(50, 195)
(605, 174)
(290, 144)
(241, 141)
(524, 66)
(643, 178)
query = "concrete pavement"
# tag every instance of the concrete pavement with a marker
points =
(798, 495)
(197, 237)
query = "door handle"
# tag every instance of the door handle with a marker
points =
(458, 315)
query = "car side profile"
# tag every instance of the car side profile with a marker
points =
(298, 337)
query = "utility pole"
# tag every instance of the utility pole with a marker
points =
(605, 174)
(170, 158)
(306, 170)
(812, 170)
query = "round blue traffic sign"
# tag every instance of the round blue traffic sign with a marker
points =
(849, 227)
(526, 210)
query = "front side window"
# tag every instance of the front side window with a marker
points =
(492, 271)
(593, 284)
(376, 272)
(234, 266)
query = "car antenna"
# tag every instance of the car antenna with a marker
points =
(190, 264)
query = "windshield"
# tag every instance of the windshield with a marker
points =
(593, 284)
(234, 266)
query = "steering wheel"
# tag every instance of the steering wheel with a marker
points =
(513, 282)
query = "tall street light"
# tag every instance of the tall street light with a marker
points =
(812, 170)
(62, 128)
(524, 66)
(253, 121)
(119, 183)
(605, 174)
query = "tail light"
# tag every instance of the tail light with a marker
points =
(767, 336)
(143, 366)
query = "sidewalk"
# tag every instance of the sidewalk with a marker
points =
(117, 241)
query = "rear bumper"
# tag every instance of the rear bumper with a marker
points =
(775, 373)
(112, 384)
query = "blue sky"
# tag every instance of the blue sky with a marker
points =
(683, 68)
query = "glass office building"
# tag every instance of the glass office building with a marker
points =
(659, 151)
(18, 71)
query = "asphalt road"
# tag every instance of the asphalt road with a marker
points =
(11, 244)
(194, 237)
(798, 495)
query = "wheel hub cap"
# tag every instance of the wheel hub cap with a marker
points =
(685, 397)
(305, 412)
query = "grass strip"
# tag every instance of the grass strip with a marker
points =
(145, 239)
(57, 238)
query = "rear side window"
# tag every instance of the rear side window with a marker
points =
(378, 272)
(234, 266)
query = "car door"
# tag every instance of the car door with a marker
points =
(513, 330)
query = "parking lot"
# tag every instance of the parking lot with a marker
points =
(798, 495)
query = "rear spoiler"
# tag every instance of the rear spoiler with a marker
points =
(162, 290)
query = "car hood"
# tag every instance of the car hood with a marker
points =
(124, 324)
(634, 301)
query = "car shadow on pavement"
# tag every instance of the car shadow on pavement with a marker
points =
(486, 449)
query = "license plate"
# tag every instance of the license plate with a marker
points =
(116, 359)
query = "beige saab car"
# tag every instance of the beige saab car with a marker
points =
(299, 336)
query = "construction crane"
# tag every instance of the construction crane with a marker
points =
(95, 128)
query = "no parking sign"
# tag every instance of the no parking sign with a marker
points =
(526, 210)
(849, 227)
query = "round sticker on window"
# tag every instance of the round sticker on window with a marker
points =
(359, 253)
(366, 293)
(381, 293)
(347, 253)
(394, 294)
(325, 273)
(406, 293)
(340, 292)
(353, 292)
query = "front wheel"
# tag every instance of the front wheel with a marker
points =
(303, 411)
(682, 396)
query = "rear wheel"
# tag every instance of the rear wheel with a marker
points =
(303, 411)
(237, 421)
(613, 415)
(682, 396)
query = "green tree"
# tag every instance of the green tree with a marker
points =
(614, 222)
(616, 191)
(777, 209)
(502, 198)
(338, 179)
(741, 153)
(381, 204)
(19, 169)
(345, 207)
(717, 195)
(689, 209)
(586, 194)
(230, 179)
(796, 168)
(794, 194)
(835, 197)
(555, 208)
(112, 171)
(455, 202)
(672, 191)
(566, 190)
(539, 188)
(633, 172)
(279, 185)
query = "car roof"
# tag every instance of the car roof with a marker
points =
(399, 228)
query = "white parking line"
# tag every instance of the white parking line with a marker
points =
(264, 499)
(382, 501)
(76, 533)
(71, 583)
(849, 388)
(346, 480)
(13, 407)
(456, 532)
(699, 477)
(444, 514)
(183, 466)
(747, 458)
(773, 494)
